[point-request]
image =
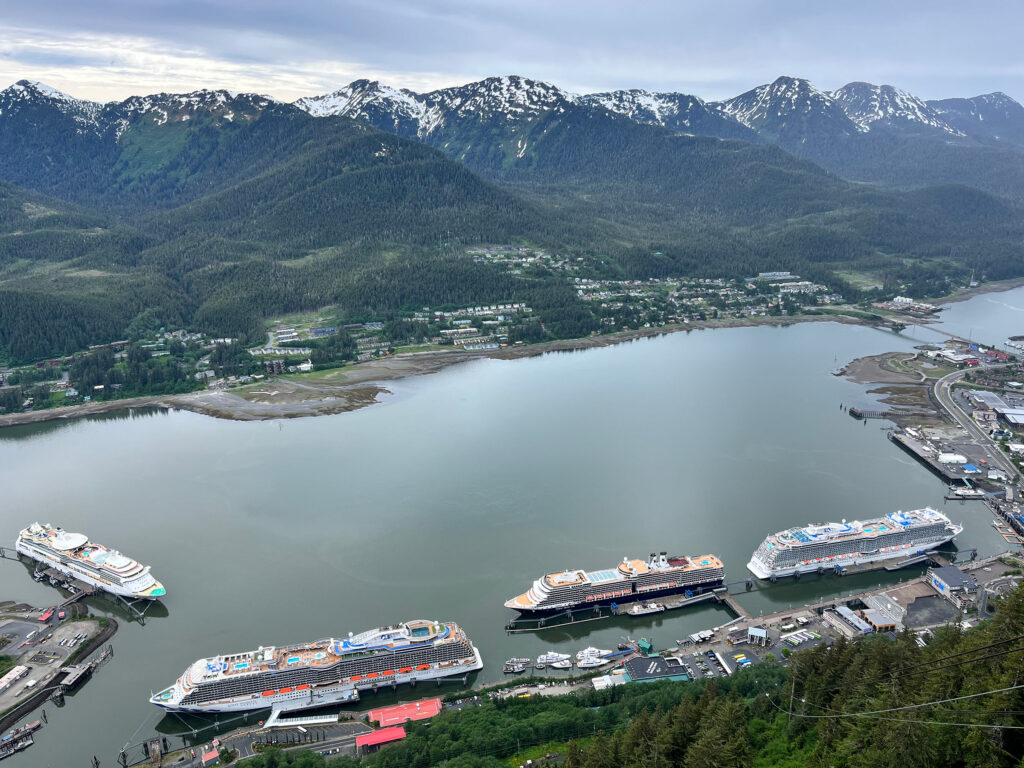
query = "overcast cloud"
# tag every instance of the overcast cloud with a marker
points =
(111, 49)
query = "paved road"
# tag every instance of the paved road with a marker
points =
(945, 398)
(334, 739)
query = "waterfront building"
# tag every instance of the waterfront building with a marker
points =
(953, 584)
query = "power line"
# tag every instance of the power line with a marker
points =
(876, 714)
(903, 671)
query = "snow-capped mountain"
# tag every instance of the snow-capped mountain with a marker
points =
(788, 110)
(678, 112)
(42, 101)
(25, 95)
(510, 99)
(162, 108)
(993, 118)
(871, 105)
(372, 102)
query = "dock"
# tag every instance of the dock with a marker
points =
(916, 448)
(524, 623)
(75, 675)
(917, 560)
(734, 605)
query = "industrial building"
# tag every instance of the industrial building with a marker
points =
(953, 584)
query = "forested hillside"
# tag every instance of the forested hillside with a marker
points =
(871, 703)
(215, 211)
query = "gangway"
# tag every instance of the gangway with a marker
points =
(276, 721)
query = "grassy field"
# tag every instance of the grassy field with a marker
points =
(865, 281)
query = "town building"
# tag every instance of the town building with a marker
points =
(953, 584)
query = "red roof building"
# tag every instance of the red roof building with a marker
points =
(417, 710)
(379, 737)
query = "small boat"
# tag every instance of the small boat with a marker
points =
(563, 664)
(551, 657)
(515, 660)
(8, 748)
(589, 662)
(538, 665)
(622, 647)
(966, 493)
(514, 669)
(592, 651)
(642, 610)
(25, 730)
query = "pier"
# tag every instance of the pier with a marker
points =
(524, 623)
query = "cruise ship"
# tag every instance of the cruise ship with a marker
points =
(660, 575)
(324, 672)
(823, 546)
(78, 558)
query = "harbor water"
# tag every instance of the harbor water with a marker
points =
(456, 492)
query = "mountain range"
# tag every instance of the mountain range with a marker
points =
(216, 209)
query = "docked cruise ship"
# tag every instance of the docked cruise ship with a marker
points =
(823, 546)
(73, 555)
(632, 579)
(324, 672)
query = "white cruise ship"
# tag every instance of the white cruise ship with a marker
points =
(823, 546)
(322, 672)
(660, 575)
(78, 558)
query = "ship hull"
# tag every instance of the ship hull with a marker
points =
(343, 693)
(73, 573)
(645, 596)
(761, 571)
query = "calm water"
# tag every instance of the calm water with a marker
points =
(454, 494)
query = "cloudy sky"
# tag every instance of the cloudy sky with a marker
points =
(110, 49)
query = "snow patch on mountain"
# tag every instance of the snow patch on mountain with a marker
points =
(162, 108)
(645, 106)
(26, 92)
(780, 100)
(868, 105)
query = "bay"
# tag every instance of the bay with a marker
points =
(453, 494)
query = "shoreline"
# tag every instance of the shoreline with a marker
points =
(351, 388)
(354, 387)
(998, 286)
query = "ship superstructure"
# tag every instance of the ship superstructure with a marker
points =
(73, 555)
(824, 546)
(322, 672)
(660, 575)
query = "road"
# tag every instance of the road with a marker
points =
(328, 739)
(944, 396)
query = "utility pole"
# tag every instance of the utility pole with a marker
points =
(789, 716)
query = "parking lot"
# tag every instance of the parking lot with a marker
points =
(42, 648)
